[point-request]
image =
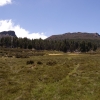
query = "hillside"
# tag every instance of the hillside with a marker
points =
(75, 35)
(7, 33)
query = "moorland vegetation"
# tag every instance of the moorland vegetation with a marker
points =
(36, 75)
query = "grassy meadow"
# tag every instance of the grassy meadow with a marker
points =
(39, 75)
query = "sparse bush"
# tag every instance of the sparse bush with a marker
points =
(30, 62)
(51, 63)
(39, 62)
(38, 54)
(10, 56)
(18, 55)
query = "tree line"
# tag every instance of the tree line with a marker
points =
(59, 45)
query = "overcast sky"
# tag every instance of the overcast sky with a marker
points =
(43, 18)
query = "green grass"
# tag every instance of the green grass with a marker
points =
(58, 77)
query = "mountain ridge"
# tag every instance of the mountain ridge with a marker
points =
(74, 35)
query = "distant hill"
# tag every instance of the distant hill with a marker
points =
(7, 34)
(75, 35)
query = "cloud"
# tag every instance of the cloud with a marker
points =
(5, 2)
(6, 25)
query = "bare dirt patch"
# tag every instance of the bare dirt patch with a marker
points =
(55, 54)
(73, 54)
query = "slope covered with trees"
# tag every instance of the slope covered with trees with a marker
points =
(59, 45)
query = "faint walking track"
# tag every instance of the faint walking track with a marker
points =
(73, 71)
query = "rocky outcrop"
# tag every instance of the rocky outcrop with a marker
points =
(7, 33)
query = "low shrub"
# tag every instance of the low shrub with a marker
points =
(18, 55)
(51, 63)
(30, 62)
(10, 56)
(38, 54)
(39, 62)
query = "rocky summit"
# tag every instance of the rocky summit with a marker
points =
(7, 33)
